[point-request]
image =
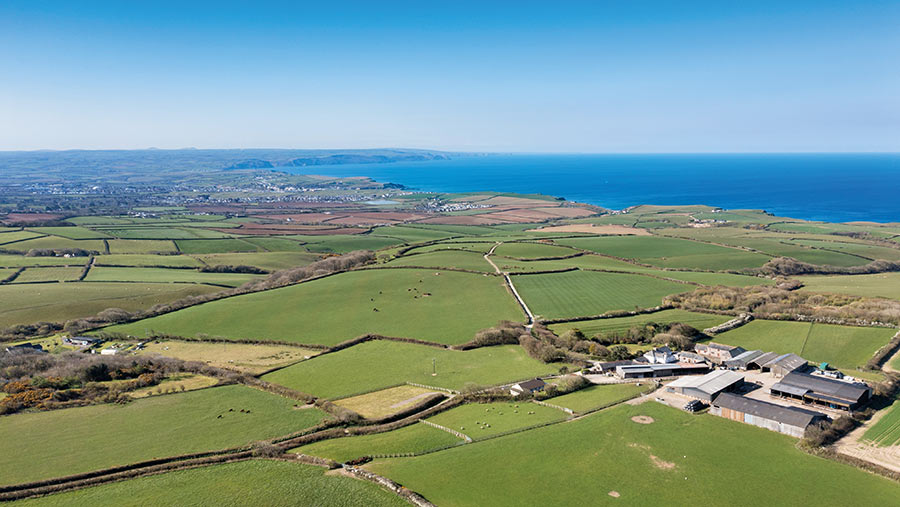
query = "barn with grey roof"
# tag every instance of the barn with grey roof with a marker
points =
(706, 388)
(823, 391)
(791, 421)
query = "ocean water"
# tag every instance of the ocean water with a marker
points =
(826, 187)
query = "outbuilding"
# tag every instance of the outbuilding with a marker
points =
(708, 386)
(788, 420)
(529, 386)
(659, 370)
(717, 352)
(786, 364)
(823, 391)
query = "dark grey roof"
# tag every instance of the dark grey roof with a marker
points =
(826, 386)
(763, 359)
(744, 357)
(532, 384)
(789, 362)
(788, 415)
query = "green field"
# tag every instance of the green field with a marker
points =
(347, 243)
(415, 438)
(272, 261)
(483, 247)
(532, 250)
(42, 445)
(583, 261)
(670, 252)
(446, 259)
(164, 275)
(54, 242)
(668, 462)
(275, 244)
(482, 420)
(413, 234)
(362, 368)
(54, 274)
(29, 303)
(885, 285)
(207, 246)
(869, 251)
(146, 260)
(597, 396)
(593, 327)
(245, 483)
(69, 232)
(140, 246)
(886, 432)
(582, 293)
(340, 307)
(840, 346)
(15, 261)
(778, 247)
(9, 238)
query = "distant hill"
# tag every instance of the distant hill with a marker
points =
(364, 158)
(253, 163)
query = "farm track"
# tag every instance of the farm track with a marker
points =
(512, 287)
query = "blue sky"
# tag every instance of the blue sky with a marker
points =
(482, 76)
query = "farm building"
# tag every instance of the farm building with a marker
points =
(743, 360)
(81, 341)
(529, 386)
(25, 348)
(717, 352)
(786, 364)
(708, 386)
(659, 370)
(816, 390)
(109, 352)
(609, 366)
(661, 355)
(757, 362)
(788, 420)
(689, 357)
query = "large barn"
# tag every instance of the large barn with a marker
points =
(786, 364)
(816, 390)
(706, 388)
(788, 420)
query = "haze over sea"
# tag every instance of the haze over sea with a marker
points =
(826, 187)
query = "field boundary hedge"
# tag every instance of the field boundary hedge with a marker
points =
(611, 315)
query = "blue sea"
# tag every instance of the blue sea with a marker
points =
(826, 187)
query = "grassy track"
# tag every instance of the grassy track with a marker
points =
(28, 303)
(42, 445)
(885, 285)
(668, 462)
(163, 275)
(581, 293)
(414, 438)
(593, 327)
(596, 396)
(245, 483)
(340, 307)
(480, 420)
(841, 346)
(670, 252)
(362, 368)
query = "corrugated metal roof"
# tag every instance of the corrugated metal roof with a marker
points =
(784, 388)
(789, 362)
(763, 359)
(826, 386)
(710, 383)
(788, 415)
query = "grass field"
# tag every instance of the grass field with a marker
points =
(208, 246)
(532, 250)
(668, 462)
(164, 275)
(42, 445)
(870, 251)
(179, 382)
(15, 261)
(348, 243)
(140, 246)
(380, 404)
(55, 242)
(483, 247)
(412, 234)
(885, 285)
(272, 261)
(54, 274)
(596, 396)
(446, 259)
(670, 252)
(593, 327)
(886, 432)
(69, 232)
(481, 420)
(581, 293)
(28, 303)
(147, 260)
(840, 346)
(9, 238)
(415, 438)
(362, 368)
(340, 307)
(254, 359)
(245, 483)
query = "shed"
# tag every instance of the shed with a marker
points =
(706, 388)
(827, 392)
(785, 364)
(529, 386)
(788, 420)
(743, 360)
